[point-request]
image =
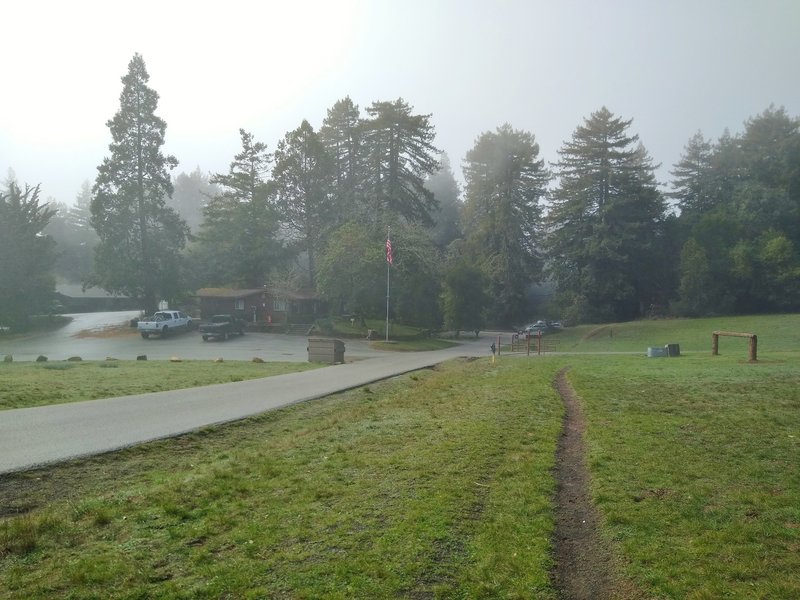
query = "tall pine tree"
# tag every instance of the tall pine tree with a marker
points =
(237, 242)
(505, 183)
(399, 155)
(606, 224)
(342, 136)
(447, 193)
(692, 183)
(140, 237)
(302, 175)
(26, 279)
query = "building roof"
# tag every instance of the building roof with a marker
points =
(227, 292)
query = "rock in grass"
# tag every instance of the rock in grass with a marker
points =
(41, 358)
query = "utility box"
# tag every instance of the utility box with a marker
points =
(656, 352)
(673, 349)
(325, 350)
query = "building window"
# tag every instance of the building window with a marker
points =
(279, 304)
(238, 304)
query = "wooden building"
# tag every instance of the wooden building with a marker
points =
(261, 306)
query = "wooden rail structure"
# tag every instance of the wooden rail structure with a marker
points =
(753, 352)
(528, 344)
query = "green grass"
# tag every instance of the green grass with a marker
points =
(436, 483)
(776, 333)
(344, 328)
(695, 464)
(23, 385)
(414, 345)
(439, 483)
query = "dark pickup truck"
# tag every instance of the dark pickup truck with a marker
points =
(221, 326)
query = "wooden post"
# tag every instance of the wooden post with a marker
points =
(714, 344)
(753, 348)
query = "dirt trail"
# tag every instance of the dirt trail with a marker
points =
(584, 561)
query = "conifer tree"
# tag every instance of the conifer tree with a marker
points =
(26, 280)
(140, 237)
(341, 135)
(302, 175)
(605, 245)
(505, 183)
(447, 193)
(399, 155)
(237, 241)
(692, 181)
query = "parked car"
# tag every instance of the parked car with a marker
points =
(221, 326)
(534, 328)
(164, 323)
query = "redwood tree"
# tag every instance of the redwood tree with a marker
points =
(140, 237)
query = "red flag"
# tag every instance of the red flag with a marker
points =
(389, 258)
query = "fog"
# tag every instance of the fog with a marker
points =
(673, 67)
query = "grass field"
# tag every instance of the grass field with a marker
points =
(435, 483)
(776, 333)
(695, 464)
(26, 384)
(439, 484)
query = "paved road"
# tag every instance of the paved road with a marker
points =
(86, 336)
(35, 436)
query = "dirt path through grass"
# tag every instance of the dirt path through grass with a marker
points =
(584, 560)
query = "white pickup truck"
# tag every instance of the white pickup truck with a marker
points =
(163, 323)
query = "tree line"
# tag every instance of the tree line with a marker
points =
(591, 237)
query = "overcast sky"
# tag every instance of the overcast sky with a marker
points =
(673, 66)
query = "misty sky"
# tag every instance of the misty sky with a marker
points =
(674, 67)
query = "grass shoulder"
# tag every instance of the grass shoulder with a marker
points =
(435, 483)
(413, 345)
(23, 385)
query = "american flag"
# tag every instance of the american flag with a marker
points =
(389, 258)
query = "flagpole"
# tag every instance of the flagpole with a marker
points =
(388, 264)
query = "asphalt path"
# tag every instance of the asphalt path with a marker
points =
(31, 437)
(97, 336)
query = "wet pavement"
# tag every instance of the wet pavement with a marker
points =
(97, 336)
